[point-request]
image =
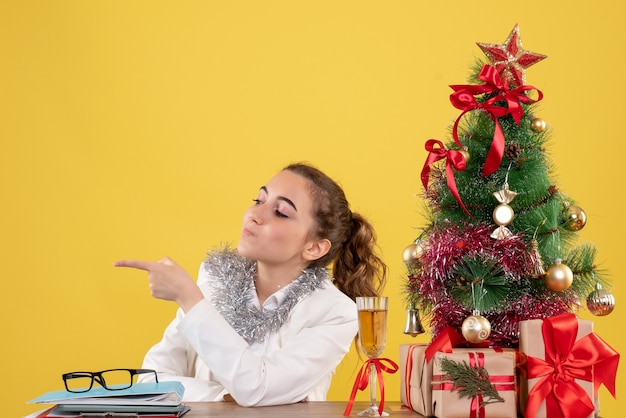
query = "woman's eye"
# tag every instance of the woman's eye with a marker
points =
(277, 211)
(280, 214)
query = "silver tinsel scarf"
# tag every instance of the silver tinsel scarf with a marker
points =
(232, 280)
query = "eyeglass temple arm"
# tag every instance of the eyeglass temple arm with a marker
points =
(142, 371)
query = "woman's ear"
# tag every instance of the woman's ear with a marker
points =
(316, 249)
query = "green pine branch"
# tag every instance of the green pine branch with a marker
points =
(480, 284)
(469, 381)
(581, 260)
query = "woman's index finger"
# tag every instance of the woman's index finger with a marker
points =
(136, 264)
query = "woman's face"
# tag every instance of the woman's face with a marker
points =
(278, 228)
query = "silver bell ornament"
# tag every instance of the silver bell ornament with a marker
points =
(413, 325)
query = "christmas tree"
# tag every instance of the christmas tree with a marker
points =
(501, 241)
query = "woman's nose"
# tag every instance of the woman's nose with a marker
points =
(255, 214)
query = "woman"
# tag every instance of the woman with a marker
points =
(265, 325)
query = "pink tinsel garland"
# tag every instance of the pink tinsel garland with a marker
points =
(447, 246)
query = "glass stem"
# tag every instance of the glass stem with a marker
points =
(373, 385)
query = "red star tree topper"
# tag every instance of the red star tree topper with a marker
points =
(510, 59)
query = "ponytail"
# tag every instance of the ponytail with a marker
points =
(357, 269)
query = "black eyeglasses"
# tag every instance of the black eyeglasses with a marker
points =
(112, 379)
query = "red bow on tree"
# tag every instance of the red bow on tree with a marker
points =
(463, 99)
(454, 160)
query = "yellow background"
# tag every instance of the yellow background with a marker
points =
(140, 129)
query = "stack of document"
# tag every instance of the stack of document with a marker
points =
(143, 400)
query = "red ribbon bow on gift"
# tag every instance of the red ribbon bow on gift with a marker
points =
(463, 99)
(566, 359)
(362, 380)
(454, 160)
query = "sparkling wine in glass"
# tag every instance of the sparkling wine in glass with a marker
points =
(372, 338)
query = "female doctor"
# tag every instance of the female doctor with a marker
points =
(266, 324)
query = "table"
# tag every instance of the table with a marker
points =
(302, 409)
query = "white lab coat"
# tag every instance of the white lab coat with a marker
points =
(201, 350)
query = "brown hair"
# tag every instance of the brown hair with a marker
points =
(357, 269)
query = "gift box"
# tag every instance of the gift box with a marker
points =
(564, 363)
(500, 365)
(415, 378)
(416, 372)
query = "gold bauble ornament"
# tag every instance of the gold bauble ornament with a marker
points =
(476, 328)
(412, 252)
(538, 125)
(466, 155)
(575, 218)
(600, 302)
(559, 277)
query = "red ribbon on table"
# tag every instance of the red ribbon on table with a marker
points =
(463, 99)
(454, 160)
(500, 382)
(362, 380)
(448, 339)
(566, 359)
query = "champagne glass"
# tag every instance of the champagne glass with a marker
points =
(372, 337)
